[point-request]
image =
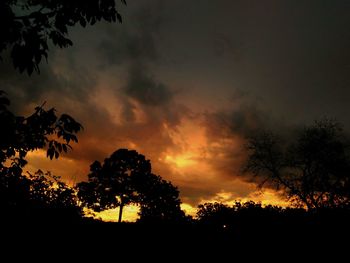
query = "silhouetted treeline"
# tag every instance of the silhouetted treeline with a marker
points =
(249, 219)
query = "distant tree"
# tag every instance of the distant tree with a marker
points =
(125, 178)
(27, 26)
(314, 171)
(38, 197)
(51, 198)
(20, 135)
(215, 213)
(111, 185)
(159, 200)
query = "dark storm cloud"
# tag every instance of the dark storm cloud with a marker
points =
(135, 41)
(134, 48)
(55, 83)
(119, 47)
(243, 122)
(294, 55)
(145, 89)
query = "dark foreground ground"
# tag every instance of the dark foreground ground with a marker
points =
(282, 240)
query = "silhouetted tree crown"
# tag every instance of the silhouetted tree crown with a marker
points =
(223, 214)
(314, 170)
(125, 178)
(27, 26)
(159, 200)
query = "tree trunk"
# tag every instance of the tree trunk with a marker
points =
(120, 212)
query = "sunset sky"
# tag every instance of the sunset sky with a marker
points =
(184, 83)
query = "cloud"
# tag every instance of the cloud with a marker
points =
(144, 88)
(227, 131)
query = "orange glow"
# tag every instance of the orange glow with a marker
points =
(180, 160)
(190, 144)
(130, 214)
(266, 197)
(69, 169)
(189, 209)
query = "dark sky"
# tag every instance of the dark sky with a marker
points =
(184, 81)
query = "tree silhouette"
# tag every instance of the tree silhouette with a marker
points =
(159, 199)
(38, 197)
(27, 25)
(111, 184)
(313, 170)
(214, 213)
(50, 197)
(124, 178)
(20, 135)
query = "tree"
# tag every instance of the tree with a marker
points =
(111, 185)
(28, 25)
(39, 197)
(20, 135)
(125, 178)
(159, 200)
(214, 213)
(50, 198)
(314, 171)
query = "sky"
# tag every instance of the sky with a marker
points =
(185, 82)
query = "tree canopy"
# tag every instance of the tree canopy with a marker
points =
(314, 170)
(41, 130)
(27, 26)
(125, 178)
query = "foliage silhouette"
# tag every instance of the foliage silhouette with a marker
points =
(38, 197)
(313, 170)
(50, 197)
(110, 185)
(43, 128)
(20, 135)
(27, 26)
(158, 199)
(125, 178)
(214, 213)
(280, 228)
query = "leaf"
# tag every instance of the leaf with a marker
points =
(50, 153)
(74, 138)
(64, 147)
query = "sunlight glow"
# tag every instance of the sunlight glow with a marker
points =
(180, 160)
(189, 209)
(130, 214)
